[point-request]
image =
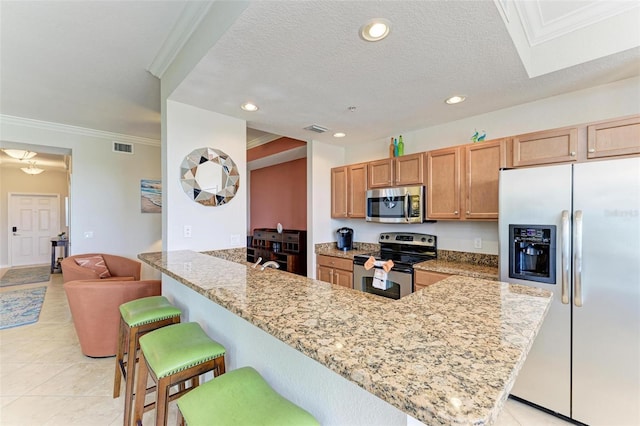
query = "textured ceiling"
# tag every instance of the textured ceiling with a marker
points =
(83, 63)
(303, 63)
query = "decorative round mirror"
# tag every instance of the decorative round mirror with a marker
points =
(209, 176)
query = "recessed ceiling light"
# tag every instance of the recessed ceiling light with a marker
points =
(249, 107)
(455, 99)
(375, 30)
(339, 135)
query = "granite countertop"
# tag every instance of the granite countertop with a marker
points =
(448, 354)
(459, 268)
(449, 262)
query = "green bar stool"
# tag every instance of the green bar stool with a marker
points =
(138, 317)
(172, 355)
(240, 397)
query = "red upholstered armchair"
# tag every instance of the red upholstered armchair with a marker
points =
(95, 308)
(120, 268)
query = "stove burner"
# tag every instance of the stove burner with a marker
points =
(405, 249)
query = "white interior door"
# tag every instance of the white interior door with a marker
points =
(33, 221)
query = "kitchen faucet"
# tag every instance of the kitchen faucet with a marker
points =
(270, 264)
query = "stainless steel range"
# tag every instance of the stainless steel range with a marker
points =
(405, 249)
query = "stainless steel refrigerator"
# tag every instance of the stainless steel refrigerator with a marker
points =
(585, 362)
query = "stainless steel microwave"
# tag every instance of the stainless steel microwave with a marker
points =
(396, 205)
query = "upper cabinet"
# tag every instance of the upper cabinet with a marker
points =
(462, 181)
(483, 162)
(348, 190)
(613, 138)
(398, 171)
(443, 183)
(551, 146)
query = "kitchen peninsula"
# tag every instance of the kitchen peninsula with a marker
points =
(448, 354)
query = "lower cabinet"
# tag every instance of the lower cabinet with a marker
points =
(335, 270)
(422, 279)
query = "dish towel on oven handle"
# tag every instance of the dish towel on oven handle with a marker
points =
(379, 275)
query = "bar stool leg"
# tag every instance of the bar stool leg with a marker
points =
(119, 363)
(141, 389)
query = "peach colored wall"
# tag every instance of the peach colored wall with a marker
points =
(279, 194)
(273, 147)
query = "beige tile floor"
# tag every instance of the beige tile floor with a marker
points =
(45, 379)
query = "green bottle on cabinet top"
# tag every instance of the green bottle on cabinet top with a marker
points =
(400, 147)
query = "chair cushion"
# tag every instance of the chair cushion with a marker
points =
(147, 310)
(95, 263)
(241, 397)
(177, 347)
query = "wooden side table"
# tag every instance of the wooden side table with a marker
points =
(55, 242)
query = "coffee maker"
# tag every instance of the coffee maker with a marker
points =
(345, 239)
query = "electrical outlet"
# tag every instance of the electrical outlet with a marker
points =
(477, 243)
(236, 239)
(187, 231)
(88, 234)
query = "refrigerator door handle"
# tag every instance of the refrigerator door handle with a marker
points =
(565, 257)
(577, 265)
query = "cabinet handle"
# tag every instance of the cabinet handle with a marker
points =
(455, 212)
(468, 212)
(591, 150)
(572, 153)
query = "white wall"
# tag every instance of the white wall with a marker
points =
(321, 228)
(189, 128)
(105, 186)
(613, 100)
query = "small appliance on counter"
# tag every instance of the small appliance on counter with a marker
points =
(345, 239)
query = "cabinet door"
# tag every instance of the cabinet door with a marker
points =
(339, 185)
(357, 189)
(553, 146)
(483, 162)
(620, 137)
(409, 170)
(381, 173)
(443, 192)
(343, 278)
(324, 273)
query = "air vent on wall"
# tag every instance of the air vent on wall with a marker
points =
(125, 148)
(316, 128)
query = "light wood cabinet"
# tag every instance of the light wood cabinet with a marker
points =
(422, 279)
(348, 191)
(335, 270)
(462, 181)
(613, 138)
(443, 183)
(398, 171)
(483, 162)
(551, 146)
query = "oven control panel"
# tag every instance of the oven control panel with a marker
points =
(408, 238)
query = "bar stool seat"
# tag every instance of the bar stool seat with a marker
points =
(241, 397)
(171, 356)
(138, 317)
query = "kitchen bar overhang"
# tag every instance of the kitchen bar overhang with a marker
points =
(448, 354)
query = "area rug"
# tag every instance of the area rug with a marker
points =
(35, 274)
(20, 307)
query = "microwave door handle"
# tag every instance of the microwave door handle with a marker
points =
(406, 206)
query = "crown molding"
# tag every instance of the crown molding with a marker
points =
(262, 140)
(75, 130)
(188, 21)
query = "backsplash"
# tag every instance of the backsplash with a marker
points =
(465, 257)
(356, 246)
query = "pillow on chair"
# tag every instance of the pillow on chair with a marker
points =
(95, 263)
